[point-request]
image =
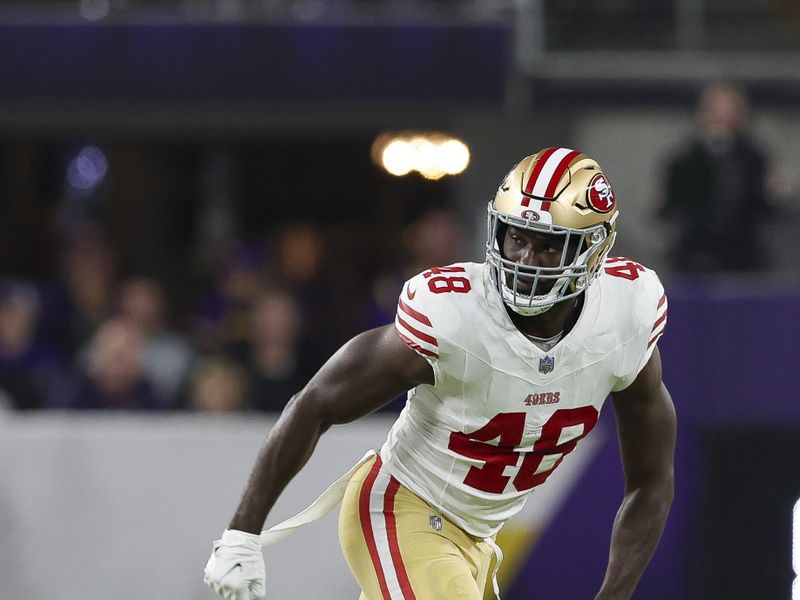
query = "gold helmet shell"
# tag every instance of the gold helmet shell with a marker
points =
(556, 191)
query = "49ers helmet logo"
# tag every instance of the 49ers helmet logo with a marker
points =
(600, 195)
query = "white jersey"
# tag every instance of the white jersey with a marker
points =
(502, 413)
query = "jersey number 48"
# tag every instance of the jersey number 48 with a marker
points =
(503, 460)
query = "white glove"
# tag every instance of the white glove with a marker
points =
(235, 570)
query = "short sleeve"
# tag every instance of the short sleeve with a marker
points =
(651, 316)
(413, 324)
(658, 328)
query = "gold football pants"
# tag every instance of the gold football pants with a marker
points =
(399, 548)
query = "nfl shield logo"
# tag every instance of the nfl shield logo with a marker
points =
(547, 364)
(435, 522)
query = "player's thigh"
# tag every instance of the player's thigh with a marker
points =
(396, 551)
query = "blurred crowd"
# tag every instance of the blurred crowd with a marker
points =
(264, 320)
(145, 299)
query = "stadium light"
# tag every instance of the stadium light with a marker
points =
(431, 154)
(398, 157)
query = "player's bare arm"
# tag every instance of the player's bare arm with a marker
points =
(366, 373)
(646, 427)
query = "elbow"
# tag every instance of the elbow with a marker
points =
(313, 407)
(306, 409)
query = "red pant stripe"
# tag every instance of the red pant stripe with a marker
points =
(394, 546)
(366, 525)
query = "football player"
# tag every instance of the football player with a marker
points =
(507, 364)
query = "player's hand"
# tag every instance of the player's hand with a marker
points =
(235, 570)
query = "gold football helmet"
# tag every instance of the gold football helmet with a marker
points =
(561, 192)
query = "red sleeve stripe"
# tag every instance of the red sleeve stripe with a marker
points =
(662, 300)
(660, 320)
(416, 347)
(414, 313)
(654, 339)
(417, 333)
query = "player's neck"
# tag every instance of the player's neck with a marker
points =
(562, 317)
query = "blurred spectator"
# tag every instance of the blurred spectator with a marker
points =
(272, 356)
(218, 384)
(300, 249)
(222, 315)
(716, 188)
(115, 376)
(167, 355)
(435, 239)
(28, 367)
(82, 296)
(299, 252)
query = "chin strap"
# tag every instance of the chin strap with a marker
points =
(531, 311)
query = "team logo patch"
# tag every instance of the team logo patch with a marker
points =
(599, 195)
(547, 364)
(435, 521)
(531, 215)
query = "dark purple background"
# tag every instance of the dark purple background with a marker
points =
(274, 63)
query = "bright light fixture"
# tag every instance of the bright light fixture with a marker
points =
(398, 157)
(431, 154)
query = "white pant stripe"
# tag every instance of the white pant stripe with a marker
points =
(378, 521)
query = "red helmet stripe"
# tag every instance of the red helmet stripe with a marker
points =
(543, 156)
(559, 173)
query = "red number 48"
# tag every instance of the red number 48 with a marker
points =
(619, 266)
(509, 428)
(440, 282)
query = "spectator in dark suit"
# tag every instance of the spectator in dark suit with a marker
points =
(716, 188)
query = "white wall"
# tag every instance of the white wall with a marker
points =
(103, 507)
